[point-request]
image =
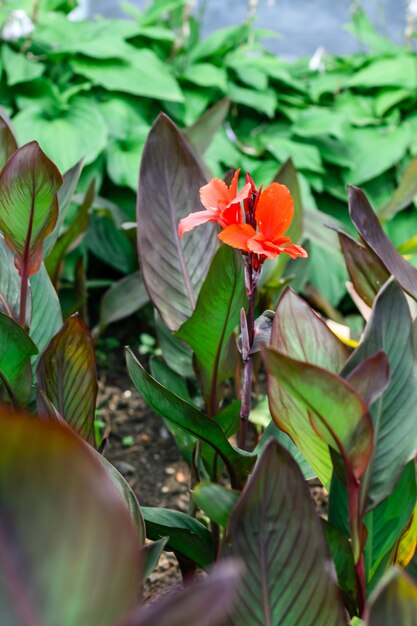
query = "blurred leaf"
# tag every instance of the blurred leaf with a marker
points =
(219, 42)
(304, 156)
(125, 297)
(206, 75)
(28, 204)
(317, 121)
(18, 68)
(403, 195)
(190, 419)
(389, 329)
(309, 340)
(394, 601)
(364, 30)
(176, 353)
(175, 269)
(215, 500)
(210, 328)
(110, 243)
(262, 101)
(201, 133)
(142, 73)
(8, 143)
(276, 518)
(398, 71)
(66, 373)
(57, 500)
(185, 534)
(369, 228)
(151, 555)
(366, 271)
(124, 156)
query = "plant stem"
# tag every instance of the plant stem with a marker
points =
(250, 282)
(23, 294)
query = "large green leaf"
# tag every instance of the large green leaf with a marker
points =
(69, 134)
(28, 204)
(10, 284)
(394, 601)
(404, 194)
(215, 500)
(190, 419)
(370, 230)
(16, 349)
(398, 71)
(19, 69)
(275, 531)
(187, 536)
(8, 143)
(141, 74)
(66, 373)
(46, 310)
(394, 416)
(68, 550)
(174, 269)
(125, 297)
(210, 328)
(201, 133)
(309, 340)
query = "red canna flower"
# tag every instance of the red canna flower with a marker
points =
(273, 215)
(222, 205)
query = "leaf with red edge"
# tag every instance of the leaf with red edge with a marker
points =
(173, 268)
(337, 412)
(8, 142)
(366, 271)
(300, 333)
(69, 553)
(369, 228)
(275, 531)
(66, 373)
(28, 204)
(394, 601)
(204, 604)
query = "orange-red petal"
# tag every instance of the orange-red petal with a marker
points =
(214, 193)
(237, 236)
(195, 219)
(233, 185)
(295, 251)
(275, 211)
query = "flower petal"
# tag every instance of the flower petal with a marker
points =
(237, 236)
(295, 251)
(195, 219)
(275, 211)
(233, 185)
(242, 195)
(214, 193)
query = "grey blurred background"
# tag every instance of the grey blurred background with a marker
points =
(304, 25)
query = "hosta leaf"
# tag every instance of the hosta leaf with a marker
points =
(337, 413)
(175, 269)
(394, 416)
(8, 143)
(190, 419)
(28, 204)
(66, 373)
(275, 531)
(18, 67)
(309, 340)
(201, 133)
(370, 230)
(394, 601)
(366, 271)
(186, 535)
(56, 500)
(396, 71)
(16, 349)
(209, 330)
(205, 604)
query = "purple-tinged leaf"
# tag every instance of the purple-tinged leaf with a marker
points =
(125, 297)
(173, 268)
(300, 333)
(66, 373)
(203, 131)
(371, 377)
(394, 416)
(204, 604)
(369, 228)
(68, 550)
(10, 284)
(366, 271)
(337, 412)
(262, 335)
(28, 204)
(403, 195)
(8, 142)
(47, 317)
(394, 601)
(274, 530)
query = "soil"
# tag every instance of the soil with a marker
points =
(142, 449)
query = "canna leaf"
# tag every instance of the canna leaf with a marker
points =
(8, 143)
(394, 601)
(28, 204)
(275, 532)
(46, 310)
(125, 297)
(10, 285)
(369, 228)
(210, 329)
(56, 500)
(201, 133)
(403, 195)
(407, 545)
(175, 269)
(66, 373)
(215, 500)
(16, 349)
(309, 340)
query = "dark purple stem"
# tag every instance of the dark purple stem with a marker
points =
(251, 280)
